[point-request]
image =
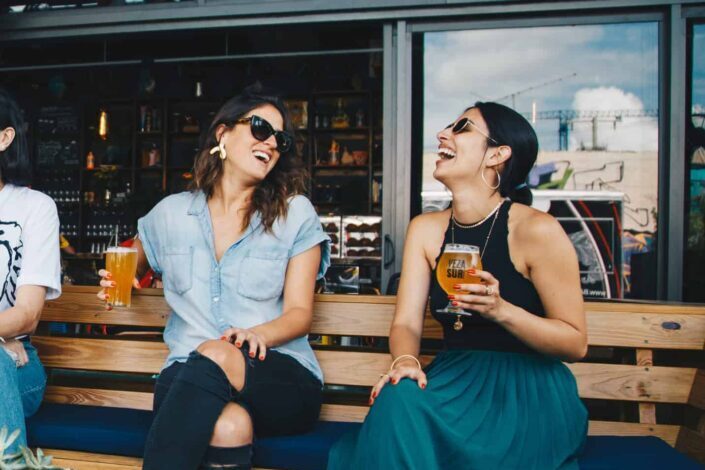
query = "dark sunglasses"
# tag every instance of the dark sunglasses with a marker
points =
(262, 130)
(463, 123)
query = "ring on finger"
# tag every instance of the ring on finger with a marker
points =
(489, 290)
(383, 375)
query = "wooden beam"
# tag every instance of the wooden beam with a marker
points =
(647, 411)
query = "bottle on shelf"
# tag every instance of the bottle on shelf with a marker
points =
(340, 120)
(90, 161)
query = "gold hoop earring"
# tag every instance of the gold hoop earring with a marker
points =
(499, 179)
(220, 148)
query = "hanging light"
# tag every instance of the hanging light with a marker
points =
(103, 125)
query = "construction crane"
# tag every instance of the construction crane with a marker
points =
(513, 95)
(567, 117)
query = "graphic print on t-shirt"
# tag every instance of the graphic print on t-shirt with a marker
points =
(10, 260)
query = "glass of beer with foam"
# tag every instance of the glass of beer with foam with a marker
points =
(452, 269)
(121, 262)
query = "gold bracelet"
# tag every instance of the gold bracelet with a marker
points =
(394, 362)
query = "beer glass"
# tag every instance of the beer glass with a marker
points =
(452, 269)
(121, 262)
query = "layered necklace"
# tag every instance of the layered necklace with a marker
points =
(494, 212)
(458, 325)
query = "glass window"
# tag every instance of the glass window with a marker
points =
(592, 97)
(694, 278)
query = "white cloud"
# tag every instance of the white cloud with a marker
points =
(637, 134)
(462, 67)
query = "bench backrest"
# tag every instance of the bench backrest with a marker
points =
(643, 328)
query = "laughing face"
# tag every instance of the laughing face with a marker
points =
(247, 156)
(462, 153)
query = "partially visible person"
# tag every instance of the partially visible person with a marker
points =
(65, 245)
(239, 256)
(498, 396)
(30, 272)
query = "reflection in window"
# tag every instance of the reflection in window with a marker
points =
(694, 279)
(597, 123)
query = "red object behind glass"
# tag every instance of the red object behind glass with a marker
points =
(148, 278)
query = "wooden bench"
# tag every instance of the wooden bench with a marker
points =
(640, 328)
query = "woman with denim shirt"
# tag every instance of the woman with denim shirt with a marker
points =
(30, 272)
(239, 256)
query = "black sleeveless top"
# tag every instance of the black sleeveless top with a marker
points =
(477, 332)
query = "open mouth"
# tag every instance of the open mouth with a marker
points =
(264, 157)
(446, 154)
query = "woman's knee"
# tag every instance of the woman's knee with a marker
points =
(233, 428)
(228, 357)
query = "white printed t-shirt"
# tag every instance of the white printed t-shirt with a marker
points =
(29, 243)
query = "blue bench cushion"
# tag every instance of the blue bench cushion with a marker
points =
(100, 430)
(643, 453)
(123, 432)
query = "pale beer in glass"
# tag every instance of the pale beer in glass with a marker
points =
(452, 269)
(121, 262)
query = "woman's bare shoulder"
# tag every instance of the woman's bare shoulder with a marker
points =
(535, 226)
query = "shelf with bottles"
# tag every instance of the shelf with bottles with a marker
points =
(70, 230)
(340, 112)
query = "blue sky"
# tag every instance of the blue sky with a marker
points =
(604, 67)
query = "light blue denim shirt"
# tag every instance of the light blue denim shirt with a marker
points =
(244, 289)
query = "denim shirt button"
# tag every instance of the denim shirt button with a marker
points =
(215, 299)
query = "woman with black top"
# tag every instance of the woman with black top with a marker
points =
(498, 396)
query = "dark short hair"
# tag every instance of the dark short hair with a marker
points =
(510, 128)
(286, 179)
(15, 164)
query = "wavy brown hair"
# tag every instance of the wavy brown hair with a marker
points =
(286, 179)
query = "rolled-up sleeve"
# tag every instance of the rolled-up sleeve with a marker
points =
(309, 232)
(147, 228)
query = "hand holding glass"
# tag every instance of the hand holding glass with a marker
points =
(121, 262)
(453, 269)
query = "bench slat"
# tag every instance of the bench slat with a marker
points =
(600, 381)
(98, 397)
(633, 383)
(120, 461)
(101, 354)
(620, 324)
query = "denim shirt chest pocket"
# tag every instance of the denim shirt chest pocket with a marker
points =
(178, 269)
(262, 272)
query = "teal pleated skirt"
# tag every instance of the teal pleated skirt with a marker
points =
(480, 410)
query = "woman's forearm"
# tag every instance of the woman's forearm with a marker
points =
(17, 321)
(294, 323)
(403, 340)
(549, 336)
